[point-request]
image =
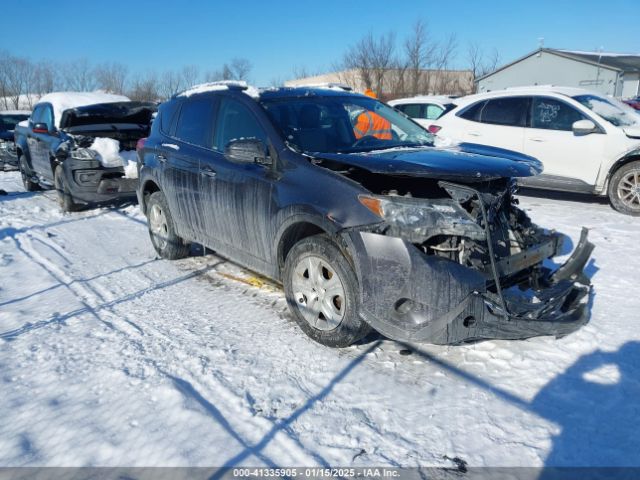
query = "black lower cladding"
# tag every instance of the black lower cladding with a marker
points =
(90, 182)
(409, 296)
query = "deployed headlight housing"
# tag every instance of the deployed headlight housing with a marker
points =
(419, 219)
(83, 154)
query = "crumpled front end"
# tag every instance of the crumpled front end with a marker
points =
(471, 269)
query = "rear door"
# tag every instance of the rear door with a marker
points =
(572, 161)
(498, 122)
(181, 154)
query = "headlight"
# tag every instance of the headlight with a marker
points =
(83, 154)
(3, 145)
(424, 217)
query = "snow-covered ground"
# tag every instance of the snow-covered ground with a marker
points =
(110, 356)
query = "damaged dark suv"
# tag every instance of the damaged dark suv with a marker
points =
(367, 225)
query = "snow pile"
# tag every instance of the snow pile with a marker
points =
(61, 101)
(15, 112)
(110, 156)
(24, 123)
(213, 87)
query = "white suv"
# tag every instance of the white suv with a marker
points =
(587, 142)
(423, 109)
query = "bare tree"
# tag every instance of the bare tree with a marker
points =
(19, 76)
(240, 68)
(444, 56)
(190, 75)
(371, 57)
(420, 53)
(170, 83)
(144, 88)
(111, 77)
(78, 75)
(479, 63)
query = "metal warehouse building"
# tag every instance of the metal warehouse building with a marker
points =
(608, 73)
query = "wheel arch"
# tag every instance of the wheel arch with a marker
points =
(296, 229)
(632, 156)
(149, 187)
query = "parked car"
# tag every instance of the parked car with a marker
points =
(425, 108)
(587, 143)
(83, 145)
(633, 103)
(416, 242)
(8, 121)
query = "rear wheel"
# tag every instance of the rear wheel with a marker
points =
(26, 175)
(624, 189)
(65, 200)
(162, 229)
(322, 292)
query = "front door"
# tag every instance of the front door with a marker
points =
(239, 203)
(569, 159)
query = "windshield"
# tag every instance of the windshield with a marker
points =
(343, 124)
(611, 110)
(9, 122)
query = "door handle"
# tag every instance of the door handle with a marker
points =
(172, 146)
(537, 139)
(208, 172)
(475, 134)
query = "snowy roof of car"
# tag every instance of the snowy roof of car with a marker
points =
(219, 86)
(305, 91)
(527, 90)
(439, 99)
(61, 101)
(15, 112)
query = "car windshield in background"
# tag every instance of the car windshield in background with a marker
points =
(9, 122)
(343, 124)
(611, 111)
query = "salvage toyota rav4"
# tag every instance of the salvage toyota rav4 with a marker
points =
(367, 225)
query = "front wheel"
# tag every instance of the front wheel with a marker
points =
(322, 292)
(162, 229)
(624, 189)
(65, 200)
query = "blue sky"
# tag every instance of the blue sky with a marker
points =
(278, 35)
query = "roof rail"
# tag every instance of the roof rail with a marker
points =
(213, 86)
(329, 85)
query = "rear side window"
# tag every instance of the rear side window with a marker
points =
(432, 112)
(167, 113)
(412, 110)
(552, 114)
(510, 112)
(36, 116)
(194, 124)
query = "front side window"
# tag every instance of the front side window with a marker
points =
(552, 114)
(235, 121)
(194, 124)
(47, 116)
(611, 110)
(341, 124)
(36, 115)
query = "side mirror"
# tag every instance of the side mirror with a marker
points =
(40, 128)
(583, 127)
(247, 150)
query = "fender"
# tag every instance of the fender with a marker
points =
(631, 155)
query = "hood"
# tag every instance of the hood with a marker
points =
(128, 114)
(6, 135)
(632, 132)
(466, 161)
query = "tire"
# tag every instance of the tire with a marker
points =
(624, 189)
(25, 173)
(162, 229)
(65, 200)
(314, 270)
